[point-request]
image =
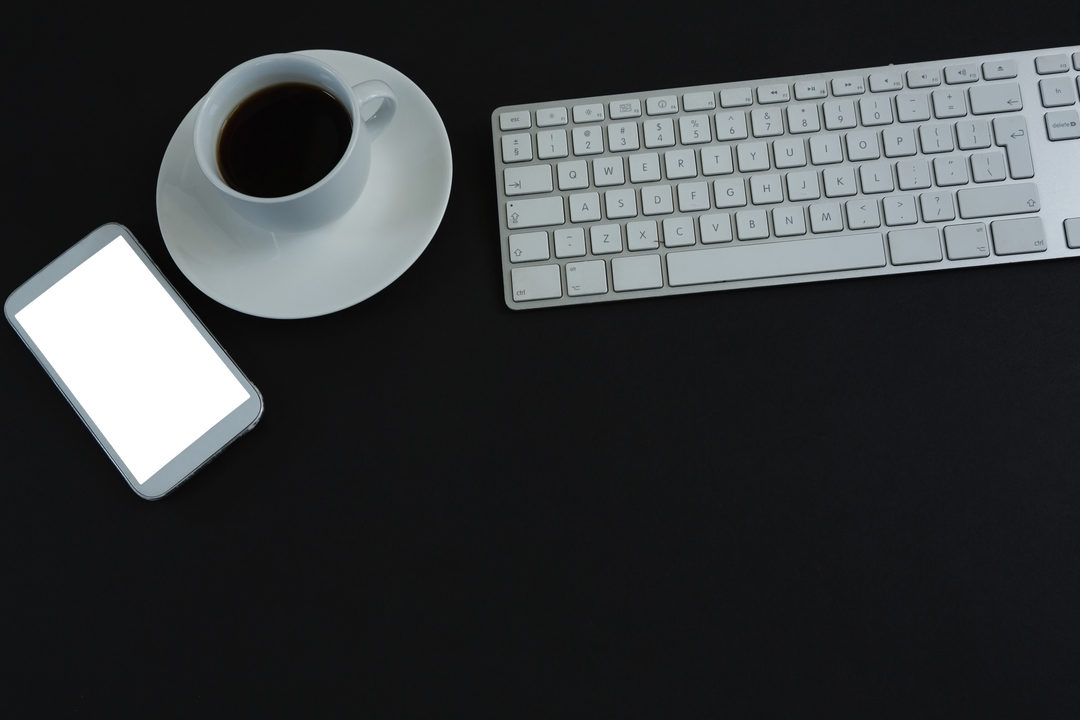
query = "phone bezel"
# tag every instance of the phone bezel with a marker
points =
(212, 442)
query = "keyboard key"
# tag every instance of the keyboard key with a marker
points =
(729, 193)
(767, 122)
(527, 180)
(693, 196)
(517, 148)
(692, 102)
(987, 166)
(605, 239)
(584, 207)
(622, 109)
(994, 200)
(839, 114)
(999, 69)
(569, 242)
(950, 170)
(694, 130)
(551, 144)
(863, 145)
(1057, 92)
(949, 103)
(1011, 132)
(636, 273)
(526, 247)
(752, 224)
(923, 77)
(623, 137)
(900, 210)
(936, 138)
(825, 217)
(796, 257)
(788, 221)
(731, 125)
(666, 105)
(540, 282)
(1063, 125)
(586, 278)
(913, 174)
(619, 204)
(996, 98)
(588, 141)
(964, 242)
(516, 120)
(548, 117)
(753, 156)
(644, 168)
(736, 97)
(534, 213)
(803, 119)
(768, 94)
(884, 82)
(659, 133)
(937, 206)
(657, 200)
(1048, 64)
(1072, 225)
(851, 85)
(680, 164)
(966, 73)
(679, 232)
(1015, 237)
(973, 134)
(608, 171)
(573, 175)
(717, 228)
(716, 161)
(875, 111)
(908, 247)
(593, 112)
(912, 107)
(811, 90)
(862, 214)
(803, 186)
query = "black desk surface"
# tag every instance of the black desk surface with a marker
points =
(830, 498)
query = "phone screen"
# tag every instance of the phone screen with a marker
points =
(141, 370)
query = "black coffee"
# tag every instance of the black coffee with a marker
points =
(283, 139)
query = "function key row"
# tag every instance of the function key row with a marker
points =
(782, 92)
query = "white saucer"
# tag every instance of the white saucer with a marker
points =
(280, 275)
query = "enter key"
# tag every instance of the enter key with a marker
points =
(1011, 132)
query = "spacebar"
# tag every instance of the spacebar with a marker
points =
(778, 259)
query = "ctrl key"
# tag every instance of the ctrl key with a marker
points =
(541, 282)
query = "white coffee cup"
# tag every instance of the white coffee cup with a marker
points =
(327, 199)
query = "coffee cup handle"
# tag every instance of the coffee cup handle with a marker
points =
(373, 90)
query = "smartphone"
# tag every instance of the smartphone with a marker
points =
(149, 380)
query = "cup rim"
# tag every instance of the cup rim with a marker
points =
(205, 156)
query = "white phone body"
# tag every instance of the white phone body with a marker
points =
(149, 380)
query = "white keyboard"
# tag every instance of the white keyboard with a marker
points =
(887, 170)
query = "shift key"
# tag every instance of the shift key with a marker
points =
(998, 200)
(534, 213)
